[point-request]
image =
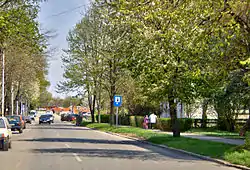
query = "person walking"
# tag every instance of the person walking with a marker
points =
(145, 122)
(152, 120)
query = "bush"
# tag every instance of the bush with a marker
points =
(124, 120)
(186, 124)
(136, 121)
(164, 124)
(104, 118)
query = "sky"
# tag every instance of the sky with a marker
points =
(59, 16)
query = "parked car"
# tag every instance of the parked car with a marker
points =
(64, 117)
(32, 114)
(16, 123)
(5, 134)
(51, 116)
(28, 119)
(44, 119)
(71, 117)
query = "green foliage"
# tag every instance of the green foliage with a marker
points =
(22, 40)
(124, 120)
(164, 124)
(207, 148)
(136, 121)
(233, 97)
(105, 118)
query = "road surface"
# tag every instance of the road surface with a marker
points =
(61, 146)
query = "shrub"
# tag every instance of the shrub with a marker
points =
(136, 121)
(124, 120)
(165, 124)
(104, 118)
(186, 124)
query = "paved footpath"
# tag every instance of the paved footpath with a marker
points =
(62, 146)
(208, 138)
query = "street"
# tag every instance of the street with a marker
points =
(62, 146)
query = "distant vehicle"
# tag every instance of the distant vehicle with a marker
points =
(51, 116)
(45, 119)
(86, 114)
(5, 134)
(63, 112)
(49, 112)
(28, 119)
(64, 117)
(71, 117)
(16, 123)
(33, 114)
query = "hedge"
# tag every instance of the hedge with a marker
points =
(164, 124)
(122, 119)
(104, 118)
(136, 121)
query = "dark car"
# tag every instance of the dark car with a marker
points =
(71, 117)
(44, 119)
(16, 123)
(64, 117)
(28, 119)
(51, 116)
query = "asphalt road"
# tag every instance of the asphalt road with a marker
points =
(61, 146)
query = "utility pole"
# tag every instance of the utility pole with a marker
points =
(3, 63)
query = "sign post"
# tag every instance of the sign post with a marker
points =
(117, 103)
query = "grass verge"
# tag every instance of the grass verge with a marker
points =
(217, 133)
(202, 147)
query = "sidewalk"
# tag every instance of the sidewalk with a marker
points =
(208, 138)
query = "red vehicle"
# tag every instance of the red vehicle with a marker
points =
(71, 117)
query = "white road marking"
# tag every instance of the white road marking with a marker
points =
(77, 157)
(67, 145)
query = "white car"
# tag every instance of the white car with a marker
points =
(5, 134)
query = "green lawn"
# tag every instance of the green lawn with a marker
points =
(207, 148)
(215, 132)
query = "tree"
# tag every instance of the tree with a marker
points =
(21, 40)
(171, 41)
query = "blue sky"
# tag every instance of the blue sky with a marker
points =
(61, 23)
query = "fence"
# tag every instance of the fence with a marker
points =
(213, 122)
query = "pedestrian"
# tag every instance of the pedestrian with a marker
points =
(145, 122)
(152, 120)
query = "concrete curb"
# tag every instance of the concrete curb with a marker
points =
(225, 163)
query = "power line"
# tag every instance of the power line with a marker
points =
(67, 11)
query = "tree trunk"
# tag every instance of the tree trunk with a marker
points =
(93, 110)
(112, 91)
(111, 110)
(99, 106)
(204, 113)
(173, 114)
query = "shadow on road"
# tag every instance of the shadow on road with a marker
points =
(153, 151)
(81, 140)
(113, 153)
(58, 128)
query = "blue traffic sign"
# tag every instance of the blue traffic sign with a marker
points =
(117, 101)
